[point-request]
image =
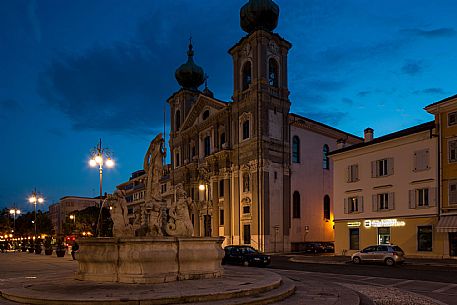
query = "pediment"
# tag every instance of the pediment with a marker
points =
(202, 104)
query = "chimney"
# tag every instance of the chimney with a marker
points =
(341, 143)
(368, 135)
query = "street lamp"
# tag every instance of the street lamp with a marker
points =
(204, 187)
(100, 156)
(73, 217)
(35, 198)
(14, 212)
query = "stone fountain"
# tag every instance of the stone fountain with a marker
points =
(158, 247)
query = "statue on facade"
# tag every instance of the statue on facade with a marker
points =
(179, 222)
(121, 225)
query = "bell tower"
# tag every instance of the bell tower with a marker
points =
(261, 131)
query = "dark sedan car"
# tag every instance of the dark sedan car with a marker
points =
(245, 255)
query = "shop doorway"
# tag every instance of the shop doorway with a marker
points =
(453, 244)
(383, 236)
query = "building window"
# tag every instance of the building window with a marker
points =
(453, 192)
(178, 120)
(177, 159)
(247, 76)
(247, 234)
(452, 147)
(353, 173)
(246, 209)
(296, 205)
(295, 149)
(452, 118)
(221, 188)
(221, 217)
(207, 145)
(273, 72)
(353, 204)
(383, 202)
(421, 160)
(422, 197)
(192, 151)
(424, 238)
(326, 160)
(354, 239)
(382, 168)
(205, 115)
(245, 129)
(327, 207)
(246, 183)
(192, 193)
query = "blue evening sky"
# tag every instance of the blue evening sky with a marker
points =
(72, 72)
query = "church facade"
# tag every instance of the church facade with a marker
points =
(258, 174)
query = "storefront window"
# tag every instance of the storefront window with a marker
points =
(353, 239)
(424, 238)
(384, 236)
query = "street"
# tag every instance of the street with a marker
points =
(439, 283)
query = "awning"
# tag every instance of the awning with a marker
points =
(447, 224)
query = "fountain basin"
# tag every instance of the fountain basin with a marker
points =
(149, 260)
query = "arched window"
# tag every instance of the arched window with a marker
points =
(205, 115)
(247, 76)
(326, 161)
(327, 207)
(245, 129)
(295, 149)
(178, 120)
(273, 70)
(296, 205)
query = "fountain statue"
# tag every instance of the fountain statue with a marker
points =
(158, 246)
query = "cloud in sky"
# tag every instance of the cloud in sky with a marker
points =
(411, 68)
(435, 33)
(430, 91)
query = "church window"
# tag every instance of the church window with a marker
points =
(247, 76)
(326, 160)
(273, 72)
(246, 183)
(205, 114)
(245, 129)
(207, 144)
(327, 207)
(178, 120)
(295, 150)
(296, 205)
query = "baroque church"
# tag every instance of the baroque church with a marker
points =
(257, 174)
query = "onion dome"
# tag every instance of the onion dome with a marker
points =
(189, 75)
(259, 15)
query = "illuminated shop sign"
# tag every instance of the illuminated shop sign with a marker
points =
(354, 224)
(377, 223)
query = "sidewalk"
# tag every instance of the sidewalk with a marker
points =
(340, 260)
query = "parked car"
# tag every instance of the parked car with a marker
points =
(387, 254)
(328, 247)
(245, 255)
(313, 248)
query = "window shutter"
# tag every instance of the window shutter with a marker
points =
(432, 196)
(390, 166)
(412, 199)
(391, 201)
(374, 169)
(356, 173)
(360, 200)
(345, 205)
(348, 174)
(375, 202)
(427, 159)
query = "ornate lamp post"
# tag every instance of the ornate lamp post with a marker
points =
(35, 198)
(14, 212)
(100, 156)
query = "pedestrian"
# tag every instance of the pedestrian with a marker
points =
(74, 249)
